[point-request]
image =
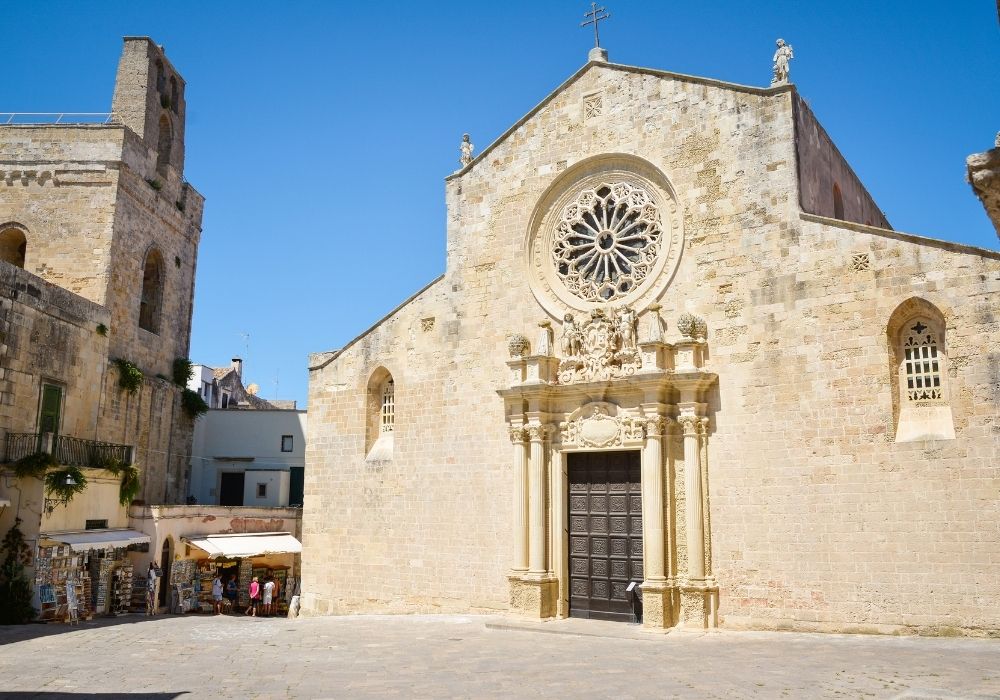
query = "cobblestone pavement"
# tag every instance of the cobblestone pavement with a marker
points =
(475, 657)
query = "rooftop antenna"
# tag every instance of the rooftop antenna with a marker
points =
(276, 383)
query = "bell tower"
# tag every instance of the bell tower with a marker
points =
(149, 99)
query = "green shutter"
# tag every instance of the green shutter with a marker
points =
(48, 419)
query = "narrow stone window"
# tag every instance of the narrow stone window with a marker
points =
(380, 416)
(388, 412)
(13, 245)
(161, 78)
(921, 403)
(152, 292)
(164, 145)
(921, 363)
(174, 94)
(838, 202)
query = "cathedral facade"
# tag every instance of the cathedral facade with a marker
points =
(679, 368)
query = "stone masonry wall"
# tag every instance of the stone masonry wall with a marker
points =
(821, 167)
(94, 203)
(819, 520)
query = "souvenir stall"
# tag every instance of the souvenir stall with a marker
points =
(263, 554)
(85, 573)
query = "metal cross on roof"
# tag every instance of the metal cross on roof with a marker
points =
(596, 14)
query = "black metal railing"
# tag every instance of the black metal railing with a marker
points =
(67, 450)
(21, 445)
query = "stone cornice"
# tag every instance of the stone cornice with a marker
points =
(697, 380)
(900, 236)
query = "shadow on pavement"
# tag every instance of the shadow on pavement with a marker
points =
(98, 696)
(11, 634)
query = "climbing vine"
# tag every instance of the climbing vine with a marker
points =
(130, 377)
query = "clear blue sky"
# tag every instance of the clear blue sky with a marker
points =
(320, 132)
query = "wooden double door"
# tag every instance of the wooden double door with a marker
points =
(605, 534)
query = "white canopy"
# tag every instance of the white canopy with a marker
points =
(254, 544)
(85, 540)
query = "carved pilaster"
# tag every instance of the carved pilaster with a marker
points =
(518, 436)
(537, 436)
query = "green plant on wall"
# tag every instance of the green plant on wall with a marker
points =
(34, 465)
(63, 484)
(102, 329)
(193, 404)
(15, 591)
(129, 487)
(100, 460)
(129, 376)
(183, 371)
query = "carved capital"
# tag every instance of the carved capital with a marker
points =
(689, 423)
(703, 426)
(538, 433)
(517, 435)
(655, 426)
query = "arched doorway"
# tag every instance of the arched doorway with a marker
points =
(165, 559)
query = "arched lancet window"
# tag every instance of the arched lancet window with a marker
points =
(388, 412)
(13, 244)
(161, 78)
(921, 364)
(380, 420)
(152, 292)
(838, 202)
(164, 144)
(916, 334)
(174, 94)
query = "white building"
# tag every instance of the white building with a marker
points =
(249, 457)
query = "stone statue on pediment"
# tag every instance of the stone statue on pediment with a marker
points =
(782, 55)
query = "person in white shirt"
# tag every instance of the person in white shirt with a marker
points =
(268, 595)
(217, 594)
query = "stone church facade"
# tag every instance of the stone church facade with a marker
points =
(677, 348)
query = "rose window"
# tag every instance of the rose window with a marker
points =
(607, 241)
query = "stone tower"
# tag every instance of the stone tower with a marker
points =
(102, 211)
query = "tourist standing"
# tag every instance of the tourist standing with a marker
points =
(268, 595)
(232, 592)
(151, 576)
(217, 594)
(254, 597)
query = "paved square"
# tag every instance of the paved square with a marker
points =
(477, 657)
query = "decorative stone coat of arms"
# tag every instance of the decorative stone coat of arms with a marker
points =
(594, 426)
(602, 347)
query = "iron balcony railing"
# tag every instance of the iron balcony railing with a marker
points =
(70, 451)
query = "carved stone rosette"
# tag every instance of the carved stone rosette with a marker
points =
(601, 348)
